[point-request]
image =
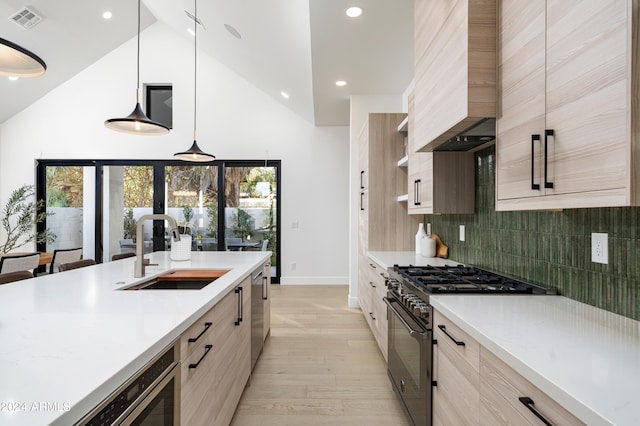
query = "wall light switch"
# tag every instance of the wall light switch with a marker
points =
(599, 248)
(462, 236)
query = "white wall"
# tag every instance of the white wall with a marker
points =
(361, 106)
(235, 121)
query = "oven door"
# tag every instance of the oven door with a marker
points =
(410, 353)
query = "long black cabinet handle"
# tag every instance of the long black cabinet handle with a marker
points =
(239, 293)
(547, 133)
(528, 402)
(534, 138)
(371, 315)
(265, 293)
(362, 201)
(416, 192)
(362, 179)
(444, 330)
(207, 349)
(206, 327)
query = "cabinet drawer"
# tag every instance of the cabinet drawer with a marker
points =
(511, 386)
(196, 334)
(197, 381)
(449, 334)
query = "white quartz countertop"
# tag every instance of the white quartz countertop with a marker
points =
(585, 358)
(387, 259)
(69, 339)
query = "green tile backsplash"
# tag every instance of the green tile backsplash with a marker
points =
(552, 248)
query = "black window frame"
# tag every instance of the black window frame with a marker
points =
(159, 195)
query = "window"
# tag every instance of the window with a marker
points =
(160, 104)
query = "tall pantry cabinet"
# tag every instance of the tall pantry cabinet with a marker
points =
(567, 126)
(384, 223)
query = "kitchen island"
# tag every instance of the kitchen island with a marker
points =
(70, 339)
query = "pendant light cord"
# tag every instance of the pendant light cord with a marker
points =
(195, 66)
(138, 66)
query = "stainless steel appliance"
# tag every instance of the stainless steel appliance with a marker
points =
(151, 397)
(257, 315)
(410, 316)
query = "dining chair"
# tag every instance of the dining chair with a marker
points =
(228, 241)
(119, 256)
(61, 256)
(75, 265)
(19, 262)
(10, 277)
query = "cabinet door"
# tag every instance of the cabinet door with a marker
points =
(587, 94)
(521, 84)
(363, 157)
(232, 346)
(456, 396)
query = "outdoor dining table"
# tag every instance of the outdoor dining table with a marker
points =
(242, 245)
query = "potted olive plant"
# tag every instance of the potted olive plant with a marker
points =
(19, 218)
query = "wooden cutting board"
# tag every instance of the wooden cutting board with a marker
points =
(193, 274)
(441, 249)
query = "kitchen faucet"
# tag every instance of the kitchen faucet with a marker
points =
(140, 260)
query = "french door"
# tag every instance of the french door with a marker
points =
(223, 205)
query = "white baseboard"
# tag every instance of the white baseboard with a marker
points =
(314, 280)
(354, 302)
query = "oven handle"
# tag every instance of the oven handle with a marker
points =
(413, 333)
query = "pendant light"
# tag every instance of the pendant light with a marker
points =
(194, 153)
(16, 61)
(137, 122)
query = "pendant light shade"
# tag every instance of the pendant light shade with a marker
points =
(195, 154)
(137, 122)
(16, 61)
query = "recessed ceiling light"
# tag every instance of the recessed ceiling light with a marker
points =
(354, 12)
(285, 95)
(107, 15)
(341, 83)
(13, 78)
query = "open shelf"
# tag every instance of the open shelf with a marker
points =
(403, 198)
(404, 161)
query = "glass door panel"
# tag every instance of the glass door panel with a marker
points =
(127, 194)
(70, 203)
(251, 204)
(192, 199)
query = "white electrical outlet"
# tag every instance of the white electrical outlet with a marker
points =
(462, 236)
(599, 248)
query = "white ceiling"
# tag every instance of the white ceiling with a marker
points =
(296, 46)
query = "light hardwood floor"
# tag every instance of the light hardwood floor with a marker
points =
(320, 366)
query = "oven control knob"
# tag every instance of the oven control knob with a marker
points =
(392, 284)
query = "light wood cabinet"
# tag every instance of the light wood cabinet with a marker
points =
(233, 354)
(438, 182)
(456, 358)
(383, 222)
(216, 360)
(567, 125)
(507, 398)
(455, 68)
(372, 305)
(474, 387)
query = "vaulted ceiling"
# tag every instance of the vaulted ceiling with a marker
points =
(294, 46)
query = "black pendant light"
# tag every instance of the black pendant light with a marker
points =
(16, 61)
(137, 122)
(194, 153)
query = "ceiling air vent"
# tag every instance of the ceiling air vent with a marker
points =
(26, 17)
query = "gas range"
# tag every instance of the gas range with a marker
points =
(410, 328)
(458, 279)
